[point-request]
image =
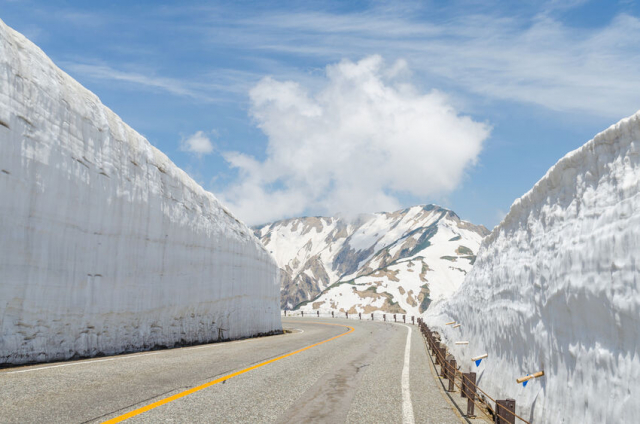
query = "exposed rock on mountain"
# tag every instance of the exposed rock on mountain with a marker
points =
(395, 262)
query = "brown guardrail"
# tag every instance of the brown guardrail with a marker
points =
(504, 410)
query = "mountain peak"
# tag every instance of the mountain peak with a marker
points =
(318, 255)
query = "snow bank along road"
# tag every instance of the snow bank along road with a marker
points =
(366, 372)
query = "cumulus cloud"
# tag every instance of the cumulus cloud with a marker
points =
(352, 146)
(198, 143)
(500, 215)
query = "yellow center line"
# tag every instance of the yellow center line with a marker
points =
(221, 379)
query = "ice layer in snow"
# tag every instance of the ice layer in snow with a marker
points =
(106, 245)
(555, 287)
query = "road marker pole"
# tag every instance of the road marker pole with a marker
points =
(525, 380)
(479, 358)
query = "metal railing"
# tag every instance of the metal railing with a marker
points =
(372, 316)
(504, 410)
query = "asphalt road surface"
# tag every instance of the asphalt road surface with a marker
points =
(325, 371)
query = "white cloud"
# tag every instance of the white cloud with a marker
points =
(173, 86)
(198, 143)
(527, 53)
(352, 146)
(528, 58)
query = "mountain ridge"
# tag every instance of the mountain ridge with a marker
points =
(314, 253)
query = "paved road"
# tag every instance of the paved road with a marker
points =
(362, 375)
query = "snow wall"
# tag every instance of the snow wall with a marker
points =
(555, 287)
(106, 246)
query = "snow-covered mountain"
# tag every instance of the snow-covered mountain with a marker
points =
(107, 246)
(556, 287)
(394, 262)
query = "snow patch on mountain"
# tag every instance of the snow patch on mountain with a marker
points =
(556, 287)
(397, 261)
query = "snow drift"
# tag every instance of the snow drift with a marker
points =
(555, 288)
(106, 245)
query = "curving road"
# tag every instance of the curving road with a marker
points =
(326, 370)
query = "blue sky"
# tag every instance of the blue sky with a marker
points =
(295, 108)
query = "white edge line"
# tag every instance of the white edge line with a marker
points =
(407, 406)
(91, 361)
(81, 363)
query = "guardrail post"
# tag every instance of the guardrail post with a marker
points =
(332, 314)
(285, 312)
(413, 320)
(469, 391)
(440, 347)
(505, 411)
(443, 362)
(404, 318)
(360, 315)
(302, 312)
(394, 318)
(318, 314)
(384, 317)
(452, 374)
(372, 316)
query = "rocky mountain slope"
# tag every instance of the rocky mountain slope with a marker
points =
(395, 262)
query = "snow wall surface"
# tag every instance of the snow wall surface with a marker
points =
(106, 246)
(555, 287)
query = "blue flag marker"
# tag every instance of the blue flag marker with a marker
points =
(478, 362)
(524, 383)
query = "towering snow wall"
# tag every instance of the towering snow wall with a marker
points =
(555, 287)
(105, 245)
